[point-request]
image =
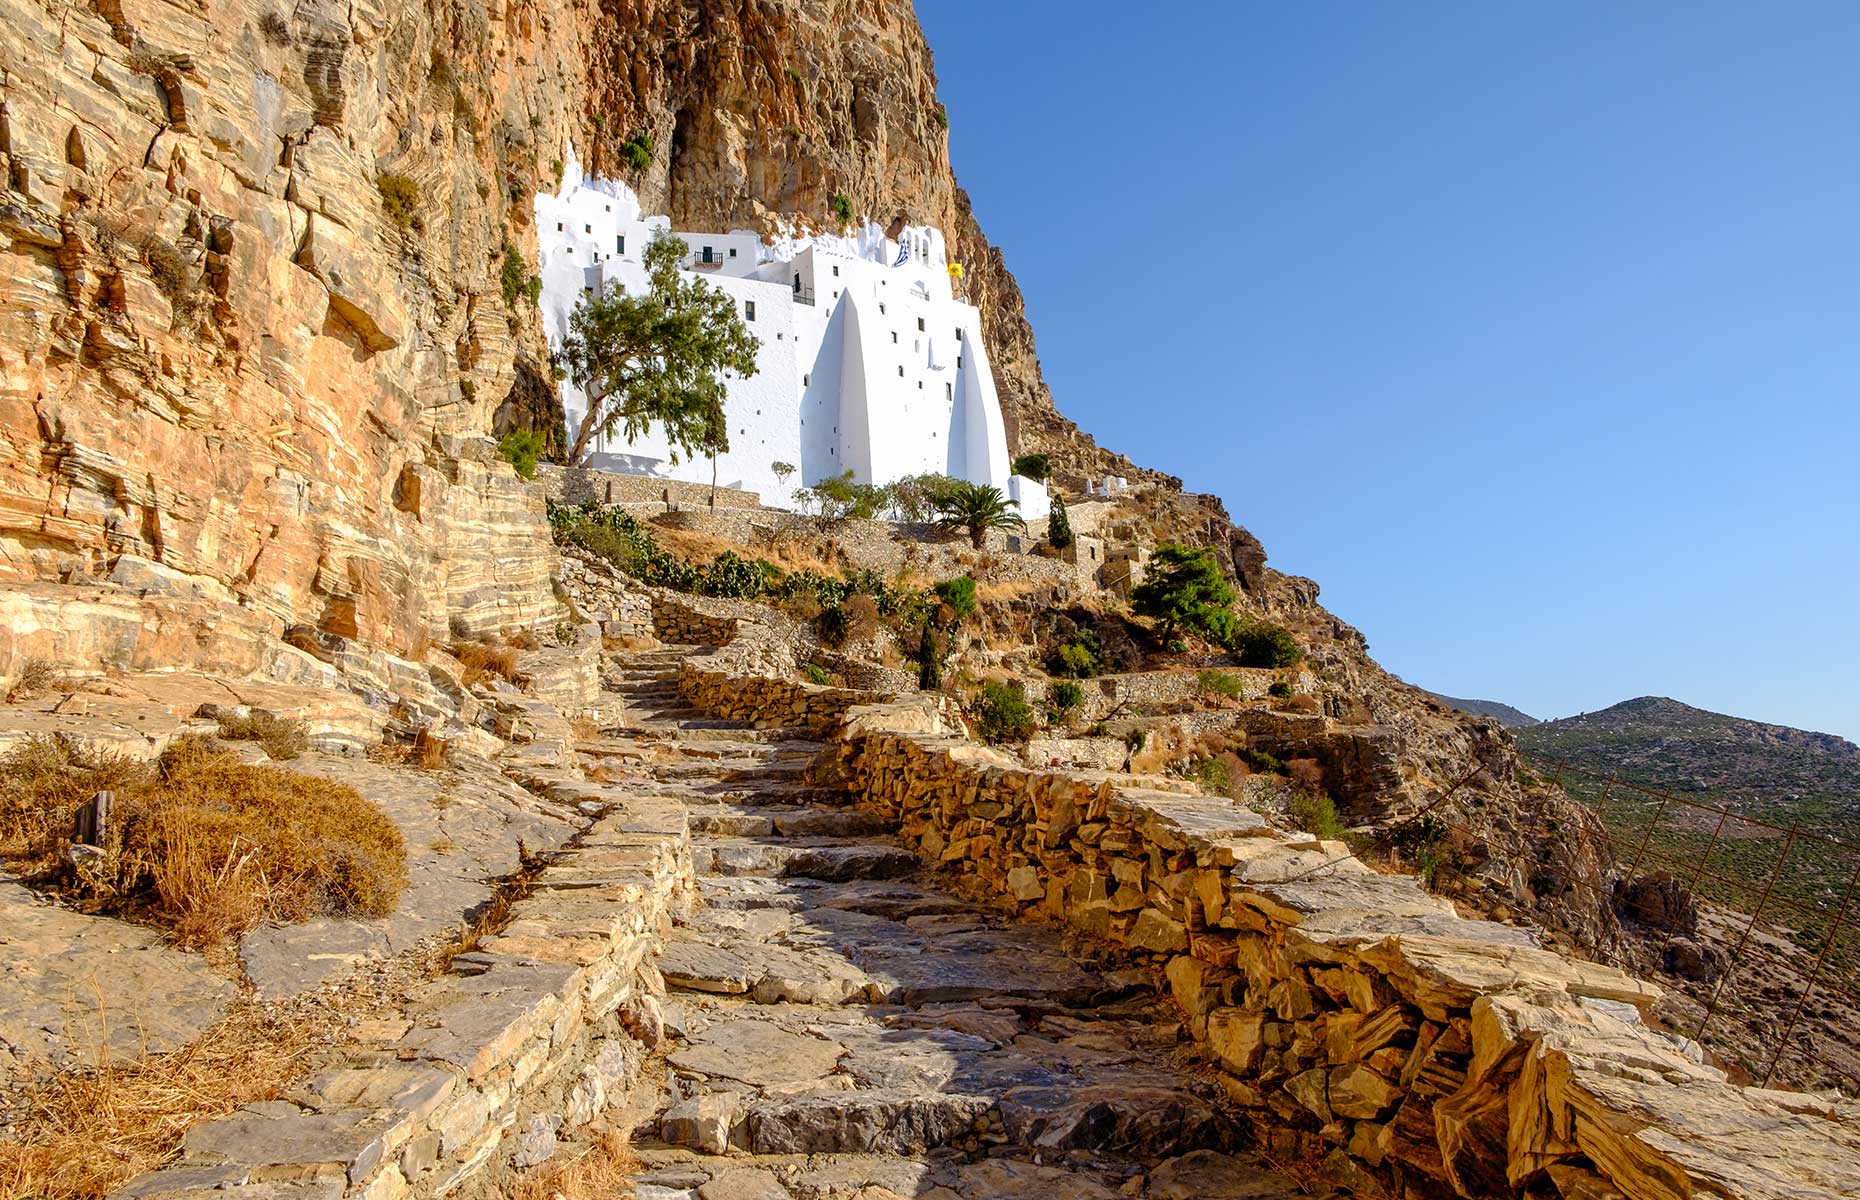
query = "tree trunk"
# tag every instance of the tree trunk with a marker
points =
(713, 483)
(590, 425)
(978, 536)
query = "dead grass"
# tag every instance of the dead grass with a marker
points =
(282, 739)
(36, 675)
(603, 1171)
(430, 751)
(485, 658)
(1004, 590)
(199, 842)
(86, 1133)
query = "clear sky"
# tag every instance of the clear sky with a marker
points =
(1531, 331)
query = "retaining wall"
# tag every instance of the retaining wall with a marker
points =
(538, 1030)
(1377, 1036)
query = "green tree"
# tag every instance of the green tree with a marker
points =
(658, 357)
(976, 508)
(1059, 525)
(1184, 588)
(1036, 467)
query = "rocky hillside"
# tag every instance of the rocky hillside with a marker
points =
(256, 327)
(1770, 771)
(1504, 714)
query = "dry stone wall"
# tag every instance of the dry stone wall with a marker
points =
(1398, 1048)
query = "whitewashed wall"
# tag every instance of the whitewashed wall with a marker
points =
(884, 374)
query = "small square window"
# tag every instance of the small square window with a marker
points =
(836, 272)
(959, 333)
(587, 229)
(558, 226)
(732, 251)
(920, 324)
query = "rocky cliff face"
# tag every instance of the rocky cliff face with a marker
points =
(254, 335)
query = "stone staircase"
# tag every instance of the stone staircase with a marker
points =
(842, 1027)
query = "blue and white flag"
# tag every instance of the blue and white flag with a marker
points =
(903, 253)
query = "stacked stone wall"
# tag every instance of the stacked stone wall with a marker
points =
(536, 1031)
(1400, 1049)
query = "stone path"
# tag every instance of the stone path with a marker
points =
(845, 1028)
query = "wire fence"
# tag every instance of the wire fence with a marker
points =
(1770, 876)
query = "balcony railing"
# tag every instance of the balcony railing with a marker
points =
(803, 295)
(706, 264)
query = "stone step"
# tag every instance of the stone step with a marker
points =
(804, 858)
(758, 822)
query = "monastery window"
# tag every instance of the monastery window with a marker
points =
(881, 312)
(749, 310)
(959, 333)
(587, 229)
(558, 226)
(836, 272)
(959, 362)
(949, 393)
(620, 244)
(807, 380)
(920, 385)
(894, 337)
(607, 208)
(900, 372)
(732, 251)
(920, 324)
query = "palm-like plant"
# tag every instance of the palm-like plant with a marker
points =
(977, 508)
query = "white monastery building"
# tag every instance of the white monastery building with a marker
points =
(868, 363)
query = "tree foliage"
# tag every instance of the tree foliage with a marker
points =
(661, 357)
(1059, 525)
(976, 508)
(521, 448)
(1036, 467)
(1184, 589)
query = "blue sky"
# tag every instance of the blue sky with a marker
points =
(1530, 331)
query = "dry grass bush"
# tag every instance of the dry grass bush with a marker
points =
(485, 658)
(603, 1171)
(282, 739)
(200, 842)
(35, 675)
(86, 1133)
(430, 752)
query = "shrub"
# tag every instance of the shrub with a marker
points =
(1079, 657)
(736, 578)
(282, 739)
(35, 675)
(1265, 764)
(1314, 813)
(635, 152)
(1002, 713)
(959, 594)
(1220, 683)
(1260, 644)
(816, 673)
(794, 77)
(521, 448)
(515, 279)
(1213, 776)
(1059, 526)
(483, 658)
(941, 117)
(1036, 467)
(1279, 690)
(842, 208)
(204, 843)
(1064, 697)
(400, 199)
(167, 269)
(275, 29)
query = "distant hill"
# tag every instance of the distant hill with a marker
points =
(1662, 743)
(1504, 714)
